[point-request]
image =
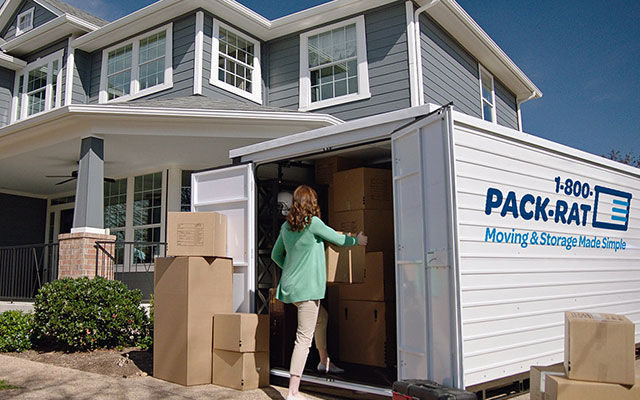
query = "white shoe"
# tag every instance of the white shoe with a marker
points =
(329, 368)
(298, 397)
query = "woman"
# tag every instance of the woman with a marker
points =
(299, 251)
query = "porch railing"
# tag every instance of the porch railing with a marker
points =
(129, 262)
(24, 269)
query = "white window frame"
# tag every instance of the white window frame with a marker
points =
(58, 55)
(482, 70)
(305, 103)
(134, 89)
(256, 75)
(29, 13)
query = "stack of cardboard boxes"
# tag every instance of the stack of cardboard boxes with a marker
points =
(241, 350)
(599, 361)
(361, 307)
(192, 285)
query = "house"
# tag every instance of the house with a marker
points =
(101, 123)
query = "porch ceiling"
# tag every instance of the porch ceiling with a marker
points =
(134, 144)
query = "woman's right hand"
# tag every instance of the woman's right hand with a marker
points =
(362, 239)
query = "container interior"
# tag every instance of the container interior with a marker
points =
(364, 363)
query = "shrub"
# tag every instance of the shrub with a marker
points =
(15, 331)
(85, 314)
(146, 343)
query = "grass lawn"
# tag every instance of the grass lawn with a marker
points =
(4, 385)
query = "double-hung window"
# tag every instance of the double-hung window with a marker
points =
(487, 96)
(235, 62)
(137, 68)
(38, 87)
(24, 22)
(333, 65)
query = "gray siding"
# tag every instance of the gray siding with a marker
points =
(208, 89)
(7, 78)
(506, 106)
(183, 58)
(386, 37)
(40, 16)
(22, 220)
(50, 49)
(449, 72)
(81, 77)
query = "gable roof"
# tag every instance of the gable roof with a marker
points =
(65, 8)
(57, 7)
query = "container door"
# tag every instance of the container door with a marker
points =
(231, 191)
(427, 314)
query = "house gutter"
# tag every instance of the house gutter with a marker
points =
(418, 49)
(532, 96)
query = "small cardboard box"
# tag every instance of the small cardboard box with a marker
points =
(326, 167)
(376, 224)
(202, 234)
(563, 388)
(241, 332)
(362, 189)
(379, 280)
(599, 347)
(241, 371)
(345, 264)
(537, 377)
(188, 292)
(363, 331)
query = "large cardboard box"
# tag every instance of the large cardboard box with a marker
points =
(563, 388)
(379, 280)
(345, 264)
(376, 224)
(326, 167)
(362, 189)
(188, 292)
(599, 347)
(241, 332)
(202, 234)
(364, 331)
(537, 376)
(241, 371)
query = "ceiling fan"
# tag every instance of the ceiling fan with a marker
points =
(74, 175)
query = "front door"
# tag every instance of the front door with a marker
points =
(60, 221)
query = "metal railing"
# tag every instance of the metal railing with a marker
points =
(129, 262)
(24, 269)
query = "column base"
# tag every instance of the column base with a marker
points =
(78, 255)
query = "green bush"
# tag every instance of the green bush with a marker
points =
(15, 331)
(86, 314)
(146, 343)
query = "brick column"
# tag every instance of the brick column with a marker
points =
(77, 255)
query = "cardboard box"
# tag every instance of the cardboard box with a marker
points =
(362, 189)
(537, 377)
(326, 167)
(599, 347)
(241, 371)
(197, 234)
(364, 331)
(241, 332)
(188, 292)
(563, 388)
(376, 224)
(379, 280)
(345, 264)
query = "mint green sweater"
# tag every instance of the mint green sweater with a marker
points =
(301, 257)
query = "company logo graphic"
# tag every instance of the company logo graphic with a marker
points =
(611, 209)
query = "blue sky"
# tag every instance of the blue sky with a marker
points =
(584, 55)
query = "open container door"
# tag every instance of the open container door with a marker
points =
(426, 268)
(231, 191)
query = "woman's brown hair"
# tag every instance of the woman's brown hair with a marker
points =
(303, 208)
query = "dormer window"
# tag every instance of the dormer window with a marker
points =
(235, 63)
(24, 22)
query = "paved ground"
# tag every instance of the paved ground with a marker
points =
(45, 381)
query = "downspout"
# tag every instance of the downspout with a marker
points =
(418, 48)
(534, 94)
